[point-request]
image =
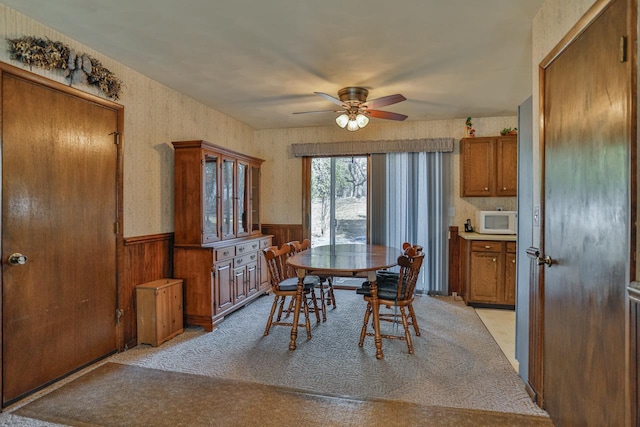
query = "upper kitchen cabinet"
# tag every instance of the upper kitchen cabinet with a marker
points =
(489, 166)
(216, 193)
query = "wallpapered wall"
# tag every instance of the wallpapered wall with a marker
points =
(551, 24)
(285, 206)
(155, 115)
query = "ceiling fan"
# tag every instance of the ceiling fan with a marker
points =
(356, 110)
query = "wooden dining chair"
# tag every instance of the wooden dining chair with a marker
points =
(323, 284)
(283, 285)
(312, 283)
(396, 295)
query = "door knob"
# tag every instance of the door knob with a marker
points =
(17, 259)
(545, 260)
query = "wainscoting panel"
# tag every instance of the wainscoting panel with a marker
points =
(146, 258)
(283, 233)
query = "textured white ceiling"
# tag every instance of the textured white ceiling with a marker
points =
(261, 60)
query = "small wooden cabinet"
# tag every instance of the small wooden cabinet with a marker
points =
(488, 272)
(159, 311)
(489, 166)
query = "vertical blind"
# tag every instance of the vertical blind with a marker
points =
(409, 203)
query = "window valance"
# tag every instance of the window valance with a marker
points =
(353, 148)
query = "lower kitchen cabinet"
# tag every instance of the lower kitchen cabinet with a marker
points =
(220, 278)
(488, 272)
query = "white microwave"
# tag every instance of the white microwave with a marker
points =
(496, 222)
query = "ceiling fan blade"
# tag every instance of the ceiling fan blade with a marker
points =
(329, 98)
(384, 101)
(386, 115)
(319, 111)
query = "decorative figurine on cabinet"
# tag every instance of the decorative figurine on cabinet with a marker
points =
(469, 130)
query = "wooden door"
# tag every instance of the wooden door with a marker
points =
(486, 277)
(506, 166)
(510, 278)
(587, 159)
(239, 284)
(477, 166)
(223, 293)
(58, 209)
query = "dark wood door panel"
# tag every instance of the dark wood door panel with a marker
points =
(587, 93)
(59, 209)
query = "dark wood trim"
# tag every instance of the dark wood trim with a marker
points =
(128, 241)
(454, 261)
(283, 233)
(535, 386)
(306, 198)
(146, 258)
(633, 333)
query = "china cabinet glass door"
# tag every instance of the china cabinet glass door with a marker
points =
(210, 200)
(255, 199)
(227, 198)
(242, 201)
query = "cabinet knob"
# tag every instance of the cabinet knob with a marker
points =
(487, 247)
(486, 189)
(504, 188)
(240, 249)
(494, 260)
(513, 261)
(239, 260)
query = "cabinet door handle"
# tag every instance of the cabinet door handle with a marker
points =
(486, 189)
(225, 253)
(254, 246)
(254, 256)
(504, 188)
(494, 260)
(513, 261)
(487, 247)
(239, 260)
(240, 249)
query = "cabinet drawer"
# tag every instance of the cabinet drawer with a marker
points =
(486, 246)
(225, 253)
(245, 259)
(265, 243)
(511, 247)
(248, 247)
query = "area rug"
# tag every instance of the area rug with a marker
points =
(456, 362)
(126, 395)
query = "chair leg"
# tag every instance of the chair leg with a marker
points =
(290, 309)
(273, 310)
(281, 309)
(413, 320)
(407, 334)
(332, 296)
(312, 296)
(363, 332)
(323, 304)
(307, 323)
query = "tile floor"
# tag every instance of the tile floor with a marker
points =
(502, 325)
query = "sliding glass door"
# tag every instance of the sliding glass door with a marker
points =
(338, 200)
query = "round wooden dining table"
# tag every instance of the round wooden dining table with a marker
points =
(344, 260)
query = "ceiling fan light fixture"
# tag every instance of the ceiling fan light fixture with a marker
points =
(342, 120)
(362, 120)
(352, 126)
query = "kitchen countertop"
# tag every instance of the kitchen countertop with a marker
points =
(494, 237)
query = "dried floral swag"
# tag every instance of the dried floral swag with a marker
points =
(78, 67)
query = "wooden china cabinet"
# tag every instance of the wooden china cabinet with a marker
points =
(218, 239)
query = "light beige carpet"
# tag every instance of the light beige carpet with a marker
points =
(456, 362)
